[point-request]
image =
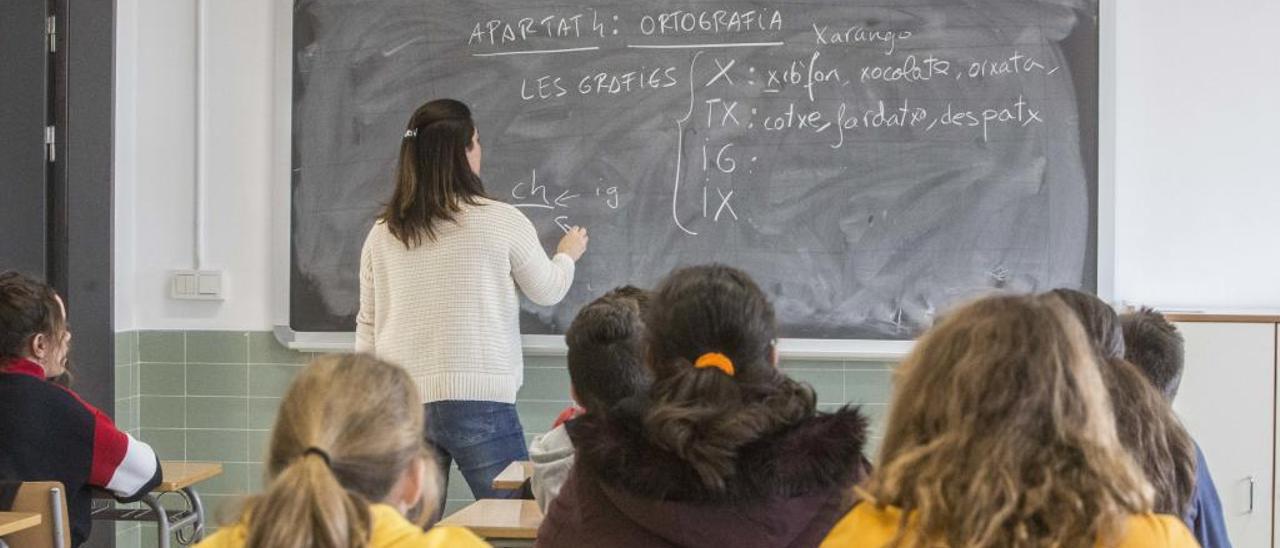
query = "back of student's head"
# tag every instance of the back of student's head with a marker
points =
(1100, 321)
(434, 177)
(1155, 346)
(710, 333)
(348, 428)
(28, 308)
(1153, 435)
(1145, 422)
(606, 349)
(1000, 433)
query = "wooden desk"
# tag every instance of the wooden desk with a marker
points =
(12, 522)
(499, 518)
(180, 478)
(179, 475)
(514, 476)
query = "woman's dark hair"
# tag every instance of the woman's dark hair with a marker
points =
(434, 178)
(704, 415)
(1100, 321)
(28, 308)
(1145, 423)
(1152, 434)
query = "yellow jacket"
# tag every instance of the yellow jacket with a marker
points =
(390, 530)
(868, 526)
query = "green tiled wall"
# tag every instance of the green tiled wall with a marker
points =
(127, 412)
(203, 395)
(213, 395)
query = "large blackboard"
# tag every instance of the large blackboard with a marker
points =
(869, 162)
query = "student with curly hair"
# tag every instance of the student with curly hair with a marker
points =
(1001, 434)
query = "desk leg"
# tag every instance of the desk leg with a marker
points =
(197, 507)
(162, 519)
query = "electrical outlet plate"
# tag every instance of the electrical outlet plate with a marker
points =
(197, 285)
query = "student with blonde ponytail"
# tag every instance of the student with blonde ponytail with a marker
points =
(723, 450)
(346, 466)
(1000, 434)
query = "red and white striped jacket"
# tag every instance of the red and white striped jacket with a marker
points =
(48, 432)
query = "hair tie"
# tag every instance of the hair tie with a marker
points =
(313, 450)
(716, 360)
(411, 133)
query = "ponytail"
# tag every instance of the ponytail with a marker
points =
(306, 506)
(710, 333)
(348, 429)
(705, 417)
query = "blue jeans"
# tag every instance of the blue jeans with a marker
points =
(484, 437)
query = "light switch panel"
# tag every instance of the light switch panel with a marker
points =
(197, 285)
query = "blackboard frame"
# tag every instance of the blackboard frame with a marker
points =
(553, 345)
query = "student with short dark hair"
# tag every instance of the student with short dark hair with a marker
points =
(723, 449)
(1156, 348)
(1001, 434)
(47, 433)
(1145, 422)
(606, 366)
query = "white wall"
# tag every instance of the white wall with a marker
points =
(1198, 205)
(126, 167)
(1197, 193)
(238, 92)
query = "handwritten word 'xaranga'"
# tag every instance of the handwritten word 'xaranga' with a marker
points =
(860, 35)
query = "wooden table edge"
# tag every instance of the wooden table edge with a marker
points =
(489, 531)
(203, 471)
(509, 482)
(486, 532)
(21, 522)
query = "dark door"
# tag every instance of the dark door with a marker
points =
(56, 71)
(24, 108)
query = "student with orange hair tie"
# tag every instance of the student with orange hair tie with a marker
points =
(723, 450)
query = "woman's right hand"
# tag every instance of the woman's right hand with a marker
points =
(574, 243)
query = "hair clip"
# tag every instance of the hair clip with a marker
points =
(409, 134)
(715, 360)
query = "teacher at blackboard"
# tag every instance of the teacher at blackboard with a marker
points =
(438, 278)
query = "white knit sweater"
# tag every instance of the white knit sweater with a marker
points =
(447, 311)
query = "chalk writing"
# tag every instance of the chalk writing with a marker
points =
(857, 34)
(712, 21)
(497, 31)
(826, 97)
